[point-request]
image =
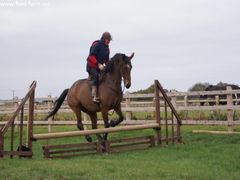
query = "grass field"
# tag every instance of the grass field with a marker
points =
(202, 156)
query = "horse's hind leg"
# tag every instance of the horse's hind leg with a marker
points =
(77, 112)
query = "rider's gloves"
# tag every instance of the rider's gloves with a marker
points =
(100, 66)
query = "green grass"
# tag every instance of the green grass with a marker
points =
(202, 156)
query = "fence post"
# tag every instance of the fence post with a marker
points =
(174, 103)
(185, 101)
(15, 104)
(85, 120)
(30, 121)
(157, 112)
(1, 144)
(49, 106)
(175, 120)
(229, 110)
(217, 100)
(128, 104)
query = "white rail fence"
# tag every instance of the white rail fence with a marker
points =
(183, 101)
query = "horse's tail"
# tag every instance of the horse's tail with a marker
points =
(58, 103)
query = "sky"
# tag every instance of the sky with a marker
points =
(179, 43)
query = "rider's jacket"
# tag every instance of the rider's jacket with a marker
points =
(99, 53)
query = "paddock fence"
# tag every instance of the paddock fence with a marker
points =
(132, 103)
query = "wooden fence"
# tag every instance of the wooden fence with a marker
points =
(170, 134)
(182, 101)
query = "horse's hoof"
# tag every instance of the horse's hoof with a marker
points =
(112, 123)
(88, 138)
(103, 148)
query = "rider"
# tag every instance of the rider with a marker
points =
(98, 57)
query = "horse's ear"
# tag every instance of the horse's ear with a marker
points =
(130, 57)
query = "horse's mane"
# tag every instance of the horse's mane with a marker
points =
(115, 59)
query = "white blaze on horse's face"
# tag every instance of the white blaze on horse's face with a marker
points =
(127, 76)
(127, 72)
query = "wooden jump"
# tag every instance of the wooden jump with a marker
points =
(64, 150)
(93, 131)
(10, 125)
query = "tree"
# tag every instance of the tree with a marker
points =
(150, 89)
(221, 84)
(199, 86)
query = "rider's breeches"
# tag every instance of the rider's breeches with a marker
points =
(95, 75)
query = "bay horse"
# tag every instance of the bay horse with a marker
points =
(110, 92)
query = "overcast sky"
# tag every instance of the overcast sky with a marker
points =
(178, 42)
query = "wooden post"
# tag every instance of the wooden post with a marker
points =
(30, 121)
(152, 141)
(12, 139)
(98, 148)
(185, 105)
(166, 121)
(49, 105)
(173, 101)
(229, 111)
(107, 146)
(158, 120)
(185, 101)
(178, 133)
(172, 127)
(21, 130)
(15, 101)
(128, 104)
(85, 119)
(217, 100)
(1, 144)
(216, 113)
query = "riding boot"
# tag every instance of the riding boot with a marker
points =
(94, 94)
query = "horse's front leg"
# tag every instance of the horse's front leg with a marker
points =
(106, 123)
(93, 117)
(118, 110)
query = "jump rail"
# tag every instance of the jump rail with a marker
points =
(93, 131)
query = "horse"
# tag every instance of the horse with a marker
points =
(110, 92)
